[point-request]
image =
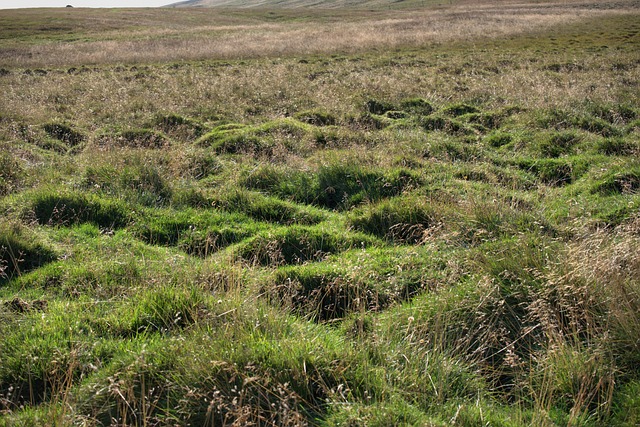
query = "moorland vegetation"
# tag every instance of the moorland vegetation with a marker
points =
(321, 217)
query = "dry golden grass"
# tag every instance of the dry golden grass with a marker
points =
(158, 38)
(110, 95)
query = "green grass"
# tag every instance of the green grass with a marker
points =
(421, 232)
(20, 251)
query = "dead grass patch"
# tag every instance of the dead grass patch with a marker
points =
(313, 33)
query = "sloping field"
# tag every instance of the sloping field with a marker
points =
(66, 37)
(224, 217)
(319, 4)
(387, 4)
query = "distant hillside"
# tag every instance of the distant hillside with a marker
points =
(364, 4)
(329, 4)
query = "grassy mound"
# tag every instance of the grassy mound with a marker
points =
(297, 244)
(20, 251)
(51, 207)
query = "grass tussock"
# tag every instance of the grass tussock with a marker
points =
(11, 172)
(21, 251)
(296, 245)
(402, 220)
(51, 207)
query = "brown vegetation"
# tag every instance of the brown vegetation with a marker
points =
(169, 35)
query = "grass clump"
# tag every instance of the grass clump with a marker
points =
(179, 127)
(374, 106)
(437, 326)
(277, 375)
(64, 133)
(616, 147)
(616, 114)
(280, 182)
(559, 144)
(233, 139)
(357, 281)
(417, 106)
(39, 137)
(197, 232)
(321, 292)
(459, 109)
(335, 185)
(598, 126)
(134, 138)
(316, 118)
(555, 118)
(627, 412)
(269, 209)
(163, 311)
(491, 321)
(137, 181)
(20, 251)
(200, 164)
(444, 124)
(633, 127)
(619, 182)
(564, 120)
(583, 384)
(11, 174)
(64, 208)
(453, 150)
(144, 184)
(554, 172)
(401, 220)
(484, 122)
(297, 244)
(267, 139)
(50, 361)
(340, 186)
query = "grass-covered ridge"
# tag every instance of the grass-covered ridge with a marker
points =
(395, 233)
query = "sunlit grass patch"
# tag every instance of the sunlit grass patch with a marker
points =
(49, 206)
(363, 280)
(336, 185)
(298, 244)
(21, 251)
(137, 181)
(402, 220)
(270, 209)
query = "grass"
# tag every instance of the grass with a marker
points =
(21, 251)
(385, 220)
(193, 34)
